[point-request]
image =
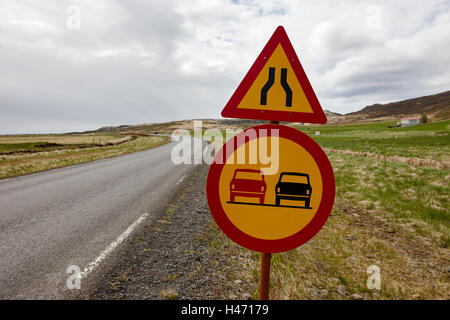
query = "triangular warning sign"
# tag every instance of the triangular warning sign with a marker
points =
(276, 87)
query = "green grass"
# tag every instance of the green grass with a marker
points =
(433, 126)
(12, 165)
(24, 146)
(398, 215)
(406, 192)
(58, 138)
(430, 141)
(9, 148)
(348, 128)
(375, 127)
(38, 143)
(397, 188)
(372, 197)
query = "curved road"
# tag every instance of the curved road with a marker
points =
(54, 219)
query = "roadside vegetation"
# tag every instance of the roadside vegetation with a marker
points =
(427, 141)
(66, 139)
(28, 154)
(391, 214)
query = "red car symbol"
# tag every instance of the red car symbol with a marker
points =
(248, 183)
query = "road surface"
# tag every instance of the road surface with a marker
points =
(69, 216)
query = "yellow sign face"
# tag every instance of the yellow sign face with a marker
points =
(276, 88)
(270, 188)
(254, 205)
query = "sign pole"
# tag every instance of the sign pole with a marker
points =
(264, 276)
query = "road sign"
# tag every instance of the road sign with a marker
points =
(276, 87)
(270, 206)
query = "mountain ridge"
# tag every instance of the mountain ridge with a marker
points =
(436, 107)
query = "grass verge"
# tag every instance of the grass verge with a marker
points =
(428, 141)
(17, 164)
(389, 214)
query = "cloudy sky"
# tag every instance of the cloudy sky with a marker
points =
(80, 65)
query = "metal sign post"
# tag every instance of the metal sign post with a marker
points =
(264, 277)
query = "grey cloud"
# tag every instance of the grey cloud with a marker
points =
(149, 61)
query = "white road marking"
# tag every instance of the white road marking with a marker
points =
(91, 266)
(182, 178)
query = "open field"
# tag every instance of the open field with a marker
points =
(58, 138)
(428, 141)
(35, 143)
(28, 157)
(390, 214)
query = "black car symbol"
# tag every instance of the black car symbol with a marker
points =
(293, 186)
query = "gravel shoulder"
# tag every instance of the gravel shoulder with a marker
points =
(179, 255)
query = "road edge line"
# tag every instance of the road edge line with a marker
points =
(94, 264)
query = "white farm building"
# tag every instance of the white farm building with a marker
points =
(404, 122)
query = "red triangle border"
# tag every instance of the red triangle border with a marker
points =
(231, 110)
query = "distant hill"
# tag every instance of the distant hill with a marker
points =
(168, 127)
(436, 107)
(332, 116)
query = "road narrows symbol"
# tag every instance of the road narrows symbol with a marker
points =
(267, 86)
(286, 87)
(276, 87)
(283, 80)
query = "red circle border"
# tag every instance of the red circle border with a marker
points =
(295, 240)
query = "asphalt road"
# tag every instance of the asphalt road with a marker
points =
(54, 219)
